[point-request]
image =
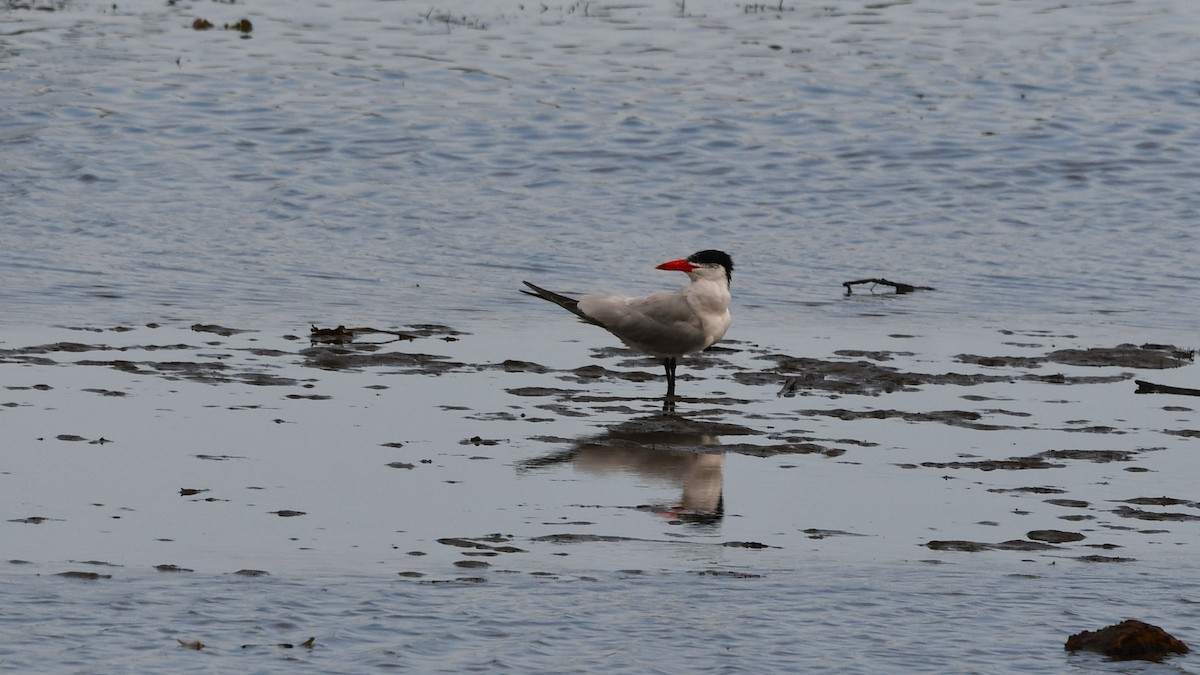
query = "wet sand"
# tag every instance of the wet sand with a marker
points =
(219, 448)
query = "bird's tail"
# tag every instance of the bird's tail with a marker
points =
(569, 304)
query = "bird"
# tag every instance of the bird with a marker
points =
(664, 325)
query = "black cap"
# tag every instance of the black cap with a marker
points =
(713, 257)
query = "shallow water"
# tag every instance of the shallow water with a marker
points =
(374, 161)
(476, 509)
(859, 619)
(863, 483)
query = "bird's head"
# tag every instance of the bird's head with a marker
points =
(702, 262)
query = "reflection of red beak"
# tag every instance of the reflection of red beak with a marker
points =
(680, 265)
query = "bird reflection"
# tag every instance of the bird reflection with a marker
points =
(666, 448)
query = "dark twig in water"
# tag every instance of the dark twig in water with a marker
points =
(1144, 387)
(900, 288)
(341, 334)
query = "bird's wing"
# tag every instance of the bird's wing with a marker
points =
(661, 324)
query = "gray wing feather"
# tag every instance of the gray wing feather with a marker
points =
(660, 324)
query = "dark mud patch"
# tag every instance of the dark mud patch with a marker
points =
(1097, 456)
(1040, 490)
(864, 378)
(1049, 459)
(1146, 356)
(803, 448)
(479, 441)
(729, 574)
(1183, 433)
(794, 437)
(67, 347)
(434, 330)
(220, 368)
(223, 331)
(491, 543)
(1094, 558)
(206, 372)
(1069, 503)
(514, 366)
(540, 391)
(75, 438)
(1055, 536)
(815, 533)
(867, 376)
(1159, 501)
(1141, 514)
(582, 538)
(1087, 428)
(588, 374)
(872, 355)
(363, 357)
(502, 416)
(573, 538)
(560, 409)
(1010, 464)
(976, 546)
(956, 418)
(643, 369)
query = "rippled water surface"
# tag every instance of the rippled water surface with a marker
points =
(949, 481)
(385, 159)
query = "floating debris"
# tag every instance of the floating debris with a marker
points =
(900, 288)
(1129, 640)
(190, 644)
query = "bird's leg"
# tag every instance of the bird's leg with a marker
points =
(669, 366)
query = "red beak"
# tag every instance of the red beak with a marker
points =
(680, 265)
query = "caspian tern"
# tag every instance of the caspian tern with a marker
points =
(664, 325)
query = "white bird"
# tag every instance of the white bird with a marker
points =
(664, 325)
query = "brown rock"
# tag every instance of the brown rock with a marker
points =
(1130, 639)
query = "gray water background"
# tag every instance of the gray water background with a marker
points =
(391, 163)
(408, 162)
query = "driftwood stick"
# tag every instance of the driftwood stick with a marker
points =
(343, 334)
(900, 288)
(1144, 387)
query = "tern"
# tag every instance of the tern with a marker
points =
(664, 325)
